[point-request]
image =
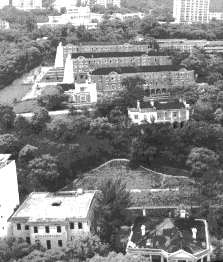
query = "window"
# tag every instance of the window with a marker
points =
(83, 98)
(82, 89)
(71, 225)
(145, 117)
(18, 226)
(26, 227)
(136, 116)
(80, 226)
(35, 229)
(60, 243)
(174, 114)
(28, 240)
(58, 229)
(81, 77)
(48, 244)
(47, 229)
(113, 87)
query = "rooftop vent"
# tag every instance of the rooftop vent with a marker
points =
(56, 203)
(79, 191)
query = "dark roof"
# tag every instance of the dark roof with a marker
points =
(116, 54)
(173, 234)
(163, 106)
(127, 69)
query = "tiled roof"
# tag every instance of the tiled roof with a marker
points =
(140, 69)
(115, 54)
(38, 206)
(171, 235)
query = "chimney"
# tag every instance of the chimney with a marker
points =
(138, 104)
(144, 212)
(182, 213)
(152, 102)
(143, 228)
(180, 100)
(194, 231)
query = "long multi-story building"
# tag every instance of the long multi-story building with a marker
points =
(27, 4)
(54, 219)
(106, 2)
(188, 11)
(9, 193)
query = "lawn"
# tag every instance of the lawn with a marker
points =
(26, 106)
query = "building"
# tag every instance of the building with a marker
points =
(9, 193)
(58, 4)
(3, 3)
(179, 239)
(216, 6)
(176, 113)
(128, 15)
(76, 16)
(106, 2)
(27, 4)
(54, 218)
(188, 11)
(215, 15)
(4, 25)
(214, 47)
(158, 78)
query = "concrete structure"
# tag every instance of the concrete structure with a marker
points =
(180, 239)
(3, 3)
(27, 4)
(106, 2)
(128, 16)
(4, 25)
(188, 11)
(9, 194)
(76, 16)
(67, 4)
(215, 15)
(54, 219)
(154, 111)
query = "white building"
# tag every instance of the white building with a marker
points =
(54, 218)
(27, 4)
(215, 15)
(188, 11)
(128, 16)
(106, 2)
(9, 194)
(3, 3)
(160, 112)
(4, 25)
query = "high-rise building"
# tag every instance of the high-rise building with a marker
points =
(9, 194)
(216, 6)
(27, 4)
(3, 3)
(188, 11)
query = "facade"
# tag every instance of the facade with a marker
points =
(128, 15)
(106, 2)
(188, 11)
(158, 78)
(64, 51)
(9, 193)
(179, 239)
(214, 47)
(3, 3)
(176, 113)
(27, 4)
(4, 25)
(54, 219)
(216, 15)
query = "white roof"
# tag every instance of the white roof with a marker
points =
(4, 157)
(38, 206)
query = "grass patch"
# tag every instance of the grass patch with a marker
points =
(28, 106)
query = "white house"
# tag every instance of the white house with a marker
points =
(54, 219)
(160, 112)
(179, 239)
(9, 194)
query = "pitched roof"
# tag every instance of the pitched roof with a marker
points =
(140, 69)
(68, 204)
(172, 235)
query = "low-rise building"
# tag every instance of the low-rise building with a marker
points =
(27, 4)
(106, 2)
(215, 15)
(128, 15)
(176, 113)
(178, 239)
(9, 192)
(54, 219)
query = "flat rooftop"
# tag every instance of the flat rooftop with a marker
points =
(49, 207)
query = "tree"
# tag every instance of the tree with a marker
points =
(111, 208)
(39, 120)
(26, 154)
(43, 173)
(113, 257)
(86, 246)
(9, 144)
(52, 97)
(7, 116)
(22, 126)
(218, 116)
(203, 110)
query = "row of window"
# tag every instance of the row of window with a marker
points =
(47, 228)
(105, 49)
(161, 115)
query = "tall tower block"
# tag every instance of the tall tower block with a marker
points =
(9, 193)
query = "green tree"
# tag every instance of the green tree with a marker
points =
(26, 154)
(22, 126)
(43, 173)
(39, 120)
(52, 97)
(86, 246)
(9, 144)
(111, 208)
(113, 257)
(7, 116)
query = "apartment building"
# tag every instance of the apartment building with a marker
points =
(106, 2)
(27, 4)
(53, 219)
(175, 239)
(3, 3)
(176, 113)
(215, 15)
(188, 11)
(9, 193)
(216, 6)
